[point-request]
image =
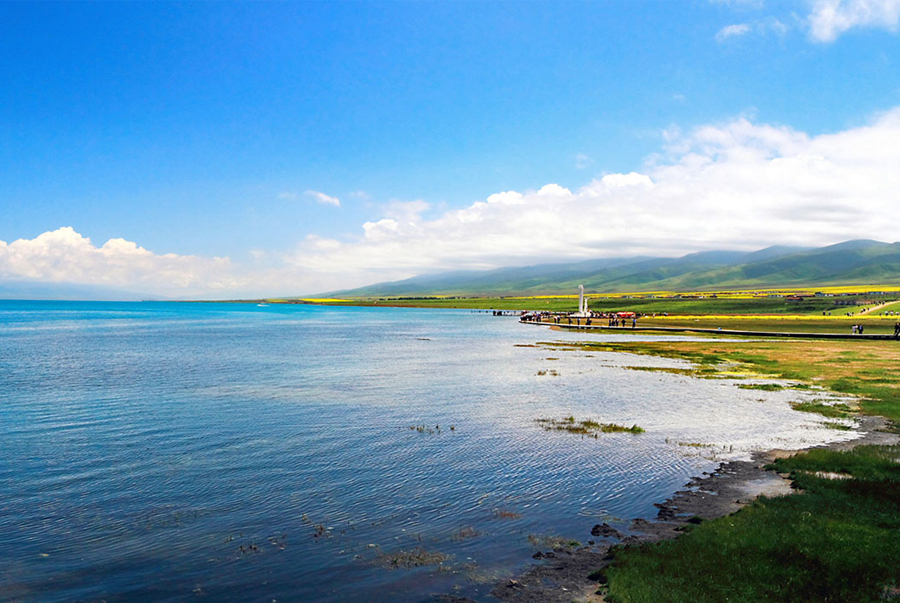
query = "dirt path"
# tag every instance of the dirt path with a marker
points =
(876, 308)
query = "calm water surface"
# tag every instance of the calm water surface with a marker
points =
(170, 452)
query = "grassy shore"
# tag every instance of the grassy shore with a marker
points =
(694, 305)
(836, 540)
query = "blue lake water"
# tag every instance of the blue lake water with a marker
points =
(173, 451)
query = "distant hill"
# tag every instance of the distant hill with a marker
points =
(67, 291)
(851, 262)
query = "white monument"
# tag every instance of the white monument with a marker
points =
(583, 311)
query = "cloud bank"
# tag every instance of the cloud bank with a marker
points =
(831, 18)
(65, 256)
(735, 185)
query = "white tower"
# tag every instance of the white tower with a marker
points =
(582, 304)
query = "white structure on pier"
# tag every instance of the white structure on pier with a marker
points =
(583, 311)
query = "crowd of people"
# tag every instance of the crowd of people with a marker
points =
(614, 319)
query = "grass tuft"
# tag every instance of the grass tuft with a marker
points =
(587, 427)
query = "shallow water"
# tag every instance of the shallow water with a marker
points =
(162, 451)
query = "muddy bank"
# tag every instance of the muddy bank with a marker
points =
(566, 576)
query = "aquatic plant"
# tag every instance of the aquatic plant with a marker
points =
(464, 533)
(504, 514)
(417, 557)
(556, 543)
(766, 387)
(587, 427)
(427, 429)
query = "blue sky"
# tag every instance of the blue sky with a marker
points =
(320, 145)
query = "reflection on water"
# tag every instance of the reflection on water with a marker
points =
(163, 451)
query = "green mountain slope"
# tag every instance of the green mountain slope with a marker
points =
(851, 262)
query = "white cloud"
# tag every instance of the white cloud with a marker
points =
(582, 161)
(737, 185)
(323, 198)
(746, 3)
(65, 256)
(831, 18)
(761, 27)
(406, 211)
(776, 26)
(732, 31)
(734, 185)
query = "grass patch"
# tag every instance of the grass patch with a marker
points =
(836, 541)
(586, 427)
(766, 387)
(663, 369)
(836, 425)
(826, 410)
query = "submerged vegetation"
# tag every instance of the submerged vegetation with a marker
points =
(586, 427)
(556, 543)
(865, 369)
(411, 558)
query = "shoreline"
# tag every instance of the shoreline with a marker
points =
(738, 332)
(568, 575)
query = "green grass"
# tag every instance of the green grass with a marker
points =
(644, 305)
(836, 541)
(834, 411)
(766, 387)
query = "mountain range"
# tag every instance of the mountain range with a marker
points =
(857, 262)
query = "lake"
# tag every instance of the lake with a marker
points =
(176, 451)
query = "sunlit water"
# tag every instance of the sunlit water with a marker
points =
(165, 452)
